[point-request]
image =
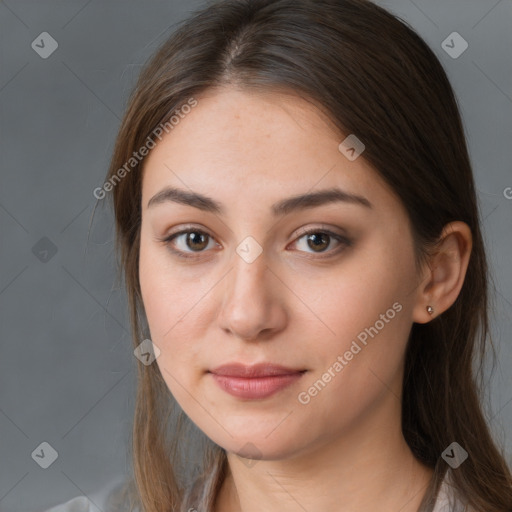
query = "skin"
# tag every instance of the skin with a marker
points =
(294, 305)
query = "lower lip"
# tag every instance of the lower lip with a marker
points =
(255, 387)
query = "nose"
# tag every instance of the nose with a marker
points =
(253, 303)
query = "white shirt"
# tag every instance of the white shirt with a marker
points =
(98, 501)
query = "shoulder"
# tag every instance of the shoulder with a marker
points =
(112, 497)
(78, 504)
(447, 500)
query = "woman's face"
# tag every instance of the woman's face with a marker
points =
(252, 287)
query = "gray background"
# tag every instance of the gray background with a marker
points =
(67, 373)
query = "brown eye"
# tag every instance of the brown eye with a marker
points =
(186, 242)
(318, 241)
(196, 240)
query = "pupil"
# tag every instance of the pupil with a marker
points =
(194, 236)
(318, 241)
(315, 235)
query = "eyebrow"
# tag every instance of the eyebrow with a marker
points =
(284, 207)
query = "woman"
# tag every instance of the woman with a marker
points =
(298, 226)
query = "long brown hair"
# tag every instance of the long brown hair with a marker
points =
(373, 76)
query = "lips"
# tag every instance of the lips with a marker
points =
(257, 381)
(256, 370)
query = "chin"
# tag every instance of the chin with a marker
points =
(257, 445)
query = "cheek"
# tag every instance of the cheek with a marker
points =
(172, 306)
(155, 288)
(163, 304)
(365, 321)
(343, 302)
(359, 367)
(165, 295)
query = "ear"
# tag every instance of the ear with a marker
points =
(444, 272)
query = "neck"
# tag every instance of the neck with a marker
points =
(369, 468)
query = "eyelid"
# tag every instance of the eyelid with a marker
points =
(342, 239)
(343, 242)
(322, 228)
(168, 238)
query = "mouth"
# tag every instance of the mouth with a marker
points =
(254, 381)
(255, 370)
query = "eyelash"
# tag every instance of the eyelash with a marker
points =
(345, 242)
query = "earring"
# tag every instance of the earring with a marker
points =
(430, 310)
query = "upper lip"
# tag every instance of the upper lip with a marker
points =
(255, 370)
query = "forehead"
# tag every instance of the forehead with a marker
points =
(245, 146)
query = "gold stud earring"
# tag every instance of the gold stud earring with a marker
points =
(430, 310)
